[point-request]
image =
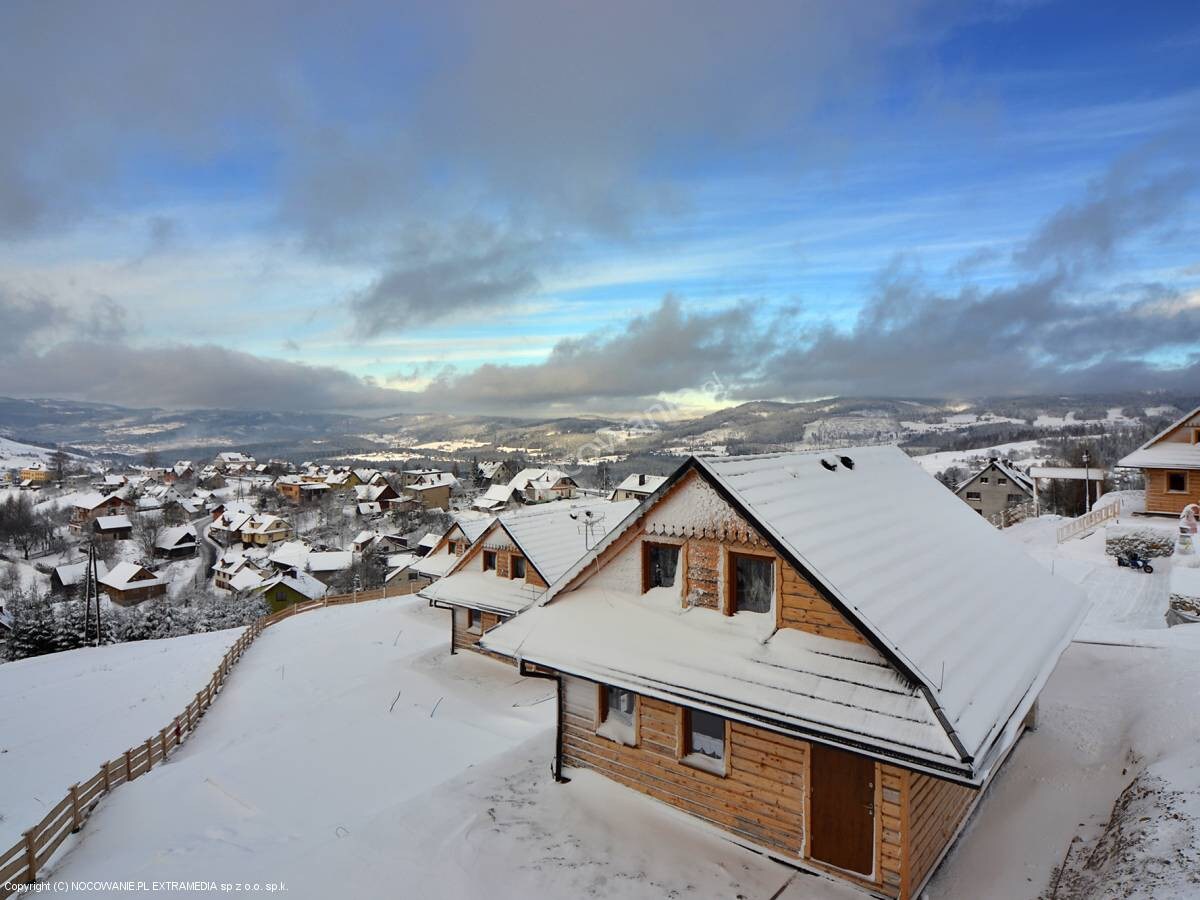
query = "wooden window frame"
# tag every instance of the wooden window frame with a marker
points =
(512, 558)
(683, 731)
(483, 556)
(1186, 482)
(602, 714)
(471, 613)
(728, 606)
(646, 546)
(1195, 435)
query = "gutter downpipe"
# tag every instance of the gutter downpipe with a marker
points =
(556, 769)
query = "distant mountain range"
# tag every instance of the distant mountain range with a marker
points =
(108, 430)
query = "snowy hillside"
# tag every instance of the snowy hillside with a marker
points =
(15, 455)
(65, 713)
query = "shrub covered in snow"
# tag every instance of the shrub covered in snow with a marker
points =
(1144, 540)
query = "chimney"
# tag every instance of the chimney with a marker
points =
(641, 480)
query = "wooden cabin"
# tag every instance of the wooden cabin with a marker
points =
(128, 583)
(112, 528)
(748, 649)
(1170, 464)
(179, 542)
(513, 561)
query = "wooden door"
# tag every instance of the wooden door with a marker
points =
(842, 810)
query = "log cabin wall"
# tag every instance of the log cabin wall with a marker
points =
(1161, 500)
(934, 810)
(464, 639)
(761, 798)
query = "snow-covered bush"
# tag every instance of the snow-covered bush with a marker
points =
(1144, 540)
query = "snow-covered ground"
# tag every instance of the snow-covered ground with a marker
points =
(63, 714)
(350, 754)
(1020, 451)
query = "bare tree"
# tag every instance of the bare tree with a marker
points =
(146, 532)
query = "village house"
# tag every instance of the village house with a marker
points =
(178, 542)
(36, 474)
(236, 573)
(228, 519)
(65, 578)
(233, 462)
(324, 565)
(298, 490)
(291, 587)
(444, 551)
(183, 470)
(112, 528)
(528, 486)
(746, 649)
(128, 584)
(495, 471)
(638, 487)
(92, 505)
(1170, 464)
(264, 529)
(513, 561)
(995, 488)
(432, 491)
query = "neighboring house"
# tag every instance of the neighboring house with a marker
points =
(528, 486)
(211, 479)
(1170, 463)
(233, 462)
(36, 474)
(447, 549)
(995, 488)
(90, 506)
(235, 572)
(112, 528)
(326, 565)
(227, 526)
(432, 491)
(264, 529)
(369, 510)
(176, 543)
(496, 471)
(67, 577)
(376, 492)
(749, 650)
(183, 470)
(299, 490)
(128, 583)
(288, 588)
(638, 487)
(408, 476)
(514, 560)
(401, 578)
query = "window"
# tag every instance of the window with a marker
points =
(1015, 498)
(617, 714)
(752, 587)
(983, 480)
(659, 563)
(704, 740)
(1177, 482)
(1196, 435)
(973, 495)
(518, 567)
(1001, 481)
(489, 560)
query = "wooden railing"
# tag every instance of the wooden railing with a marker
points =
(1089, 520)
(1011, 515)
(21, 863)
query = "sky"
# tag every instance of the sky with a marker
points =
(554, 208)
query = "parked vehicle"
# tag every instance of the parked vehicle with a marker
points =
(1133, 561)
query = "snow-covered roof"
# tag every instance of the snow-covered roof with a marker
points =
(301, 582)
(489, 467)
(1157, 453)
(551, 537)
(124, 576)
(370, 493)
(437, 564)
(265, 523)
(642, 484)
(433, 480)
(369, 509)
(90, 499)
(72, 574)
(170, 538)
(1072, 473)
(290, 553)
(473, 526)
(1014, 475)
(112, 523)
(429, 540)
(329, 560)
(956, 608)
(539, 479)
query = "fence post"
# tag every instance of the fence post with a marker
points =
(129, 765)
(74, 808)
(104, 769)
(30, 856)
(149, 754)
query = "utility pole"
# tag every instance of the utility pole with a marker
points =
(1087, 484)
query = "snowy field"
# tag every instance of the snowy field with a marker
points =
(1021, 451)
(351, 755)
(64, 714)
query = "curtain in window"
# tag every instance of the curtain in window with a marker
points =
(755, 583)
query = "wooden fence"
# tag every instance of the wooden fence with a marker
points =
(1011, 515)
(1088, 521)
(21, 862)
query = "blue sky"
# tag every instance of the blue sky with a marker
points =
(539, 208)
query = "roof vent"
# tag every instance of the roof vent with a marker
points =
(847, 462)
(828, 464)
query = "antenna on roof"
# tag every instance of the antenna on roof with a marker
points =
(591, 521)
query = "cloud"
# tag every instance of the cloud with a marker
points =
(443, 272)
(24, 315)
